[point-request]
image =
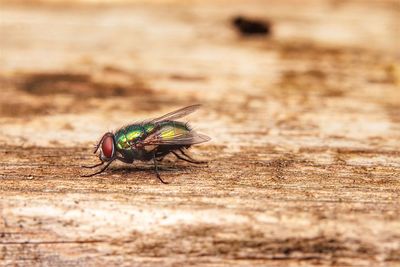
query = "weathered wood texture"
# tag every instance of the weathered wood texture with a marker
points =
(305, 158)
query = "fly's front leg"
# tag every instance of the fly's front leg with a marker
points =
(102, 170)
(127, 160)
(93, 166)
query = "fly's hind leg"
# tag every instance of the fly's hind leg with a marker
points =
(182, 158)
(156, 169)
(188, 158)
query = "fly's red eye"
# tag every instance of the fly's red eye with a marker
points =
(108, 147)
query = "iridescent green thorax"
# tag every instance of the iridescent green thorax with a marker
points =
(136, 132)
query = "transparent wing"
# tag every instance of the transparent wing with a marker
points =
(176, 114)
(172, 136)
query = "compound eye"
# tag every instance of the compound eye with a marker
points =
(108, 147)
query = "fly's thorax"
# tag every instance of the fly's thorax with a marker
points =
(121, 140)
(131, 134)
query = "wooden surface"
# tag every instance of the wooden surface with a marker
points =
(304, 164)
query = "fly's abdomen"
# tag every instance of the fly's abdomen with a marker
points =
(172, 129)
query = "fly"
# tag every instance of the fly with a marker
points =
(150, 140)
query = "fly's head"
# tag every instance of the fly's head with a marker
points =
(107, 150)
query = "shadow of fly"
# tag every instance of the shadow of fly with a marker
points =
(150, 140)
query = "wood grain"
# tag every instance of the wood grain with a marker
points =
(304, 162)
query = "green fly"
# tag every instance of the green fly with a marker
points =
(150, 140)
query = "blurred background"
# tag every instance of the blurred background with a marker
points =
(301, 100)
(80, 67)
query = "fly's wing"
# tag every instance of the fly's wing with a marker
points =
(170, 135)
(176, 114)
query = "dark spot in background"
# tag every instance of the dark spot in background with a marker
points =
(77, 84)
(310, 82)
(188, 78)
(251, 27)
(15, 109)
(45, 93)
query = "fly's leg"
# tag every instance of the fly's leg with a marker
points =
(188, 158)
(96, 165)
(182, 158)
(192, 159)
(125, 160)
(102, 170)
(156, 169)
(93, 166)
